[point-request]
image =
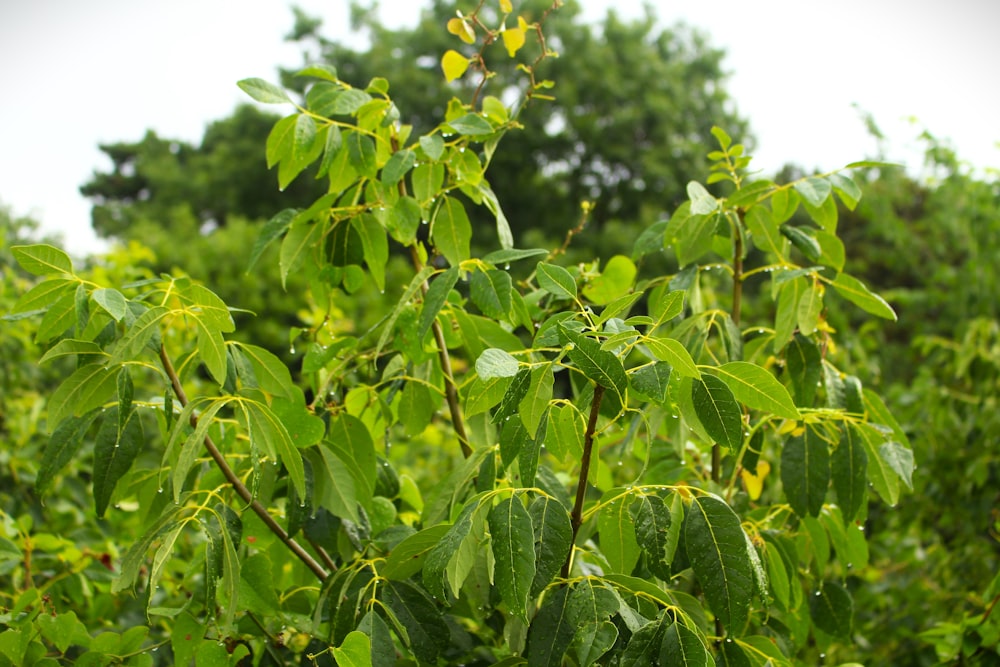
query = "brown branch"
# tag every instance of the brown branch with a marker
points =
(576, 518)
(241, 489)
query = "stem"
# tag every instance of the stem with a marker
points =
(241, 490)
(450, 388)
(737, 307)
(581, 487)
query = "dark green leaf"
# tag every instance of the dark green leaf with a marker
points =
(553, 539)
(498, 257)
(849, 470)
(445, 550)
(731, 655)
(114, 452)
(426, 633)
(643, 648)
(491, 292)
(512, 397)
(900, 459)
(805, 472)
(806, 244)
(718, 410)
(551, 631)
(765, 231)
(601, 366)
(408, 557)
(682, 646)
(805, 368)
(383, 652)
(717, 548)
(514, 551)
(652, 380)
(832, 610)
(435, 298)
(62, 446)
(352, 441)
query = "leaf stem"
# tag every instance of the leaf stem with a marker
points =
(241, 489)
(576, 518)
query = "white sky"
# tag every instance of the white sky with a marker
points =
(76, 73)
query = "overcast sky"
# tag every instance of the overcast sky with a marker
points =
(74, 74)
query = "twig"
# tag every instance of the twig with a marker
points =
(576, 518)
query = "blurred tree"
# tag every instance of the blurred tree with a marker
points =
(631, 115)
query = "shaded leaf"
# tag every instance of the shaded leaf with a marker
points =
(718, 411)
(514, 551)
(553, 540)
(849, 470)
(601, 366)
(426, 633)
(832, 610)
(451, 231)
(551, 631)
(805, 472)
(114, 452)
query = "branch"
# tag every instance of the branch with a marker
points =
(241, 490)
(576, 517)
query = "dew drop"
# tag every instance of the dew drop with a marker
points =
(818, 593)
(160, 490)
(506, 267)
(291, 349)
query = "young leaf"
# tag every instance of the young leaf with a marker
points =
(900, 459)
(855, 291)
(757, 388)
(471, 124)
(718, 411)
(42, 259)
(268, 433)
(702, 202)
(805, 472)
(263, 91)
(271, 373)
(565, 432)
(355, 651)
(514, 551)
(112, 301)
(717, 548)
(883, 478)
(810, 308)
(445, 551)
(615, 280)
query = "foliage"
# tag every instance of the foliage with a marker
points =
(566, 467)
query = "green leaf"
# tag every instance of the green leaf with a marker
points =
(446, 551)
(352, 441)
(900, 459)
(652, 532)
(383, 649)
(212, 350)
(615, 280)
(565, 432)
(89, 387)
(509, 255)
(334, 483)
(786, 315)
(824, 215)
(855, 291)
(765, 231)
(266, 431)
(718, 411)
(361, 154)
(616, 528)
(42, 259)
(112, 301)
(484, 394)
(375, 244)
(301, 240)
(601, 366)
(849, 470)
(263, 91)
(674, 353)
(846, 188)
(44, 294)
(435, 298)
(304, 428)
(60, 316)
(832, 610)
(805, 368)
(644, 646)
(60, 449)
(433, 145)
(114, 452)
(717, 548)
(757, 388)
(403, 220)
(805, 472)
(356, 651)
(810, 308)
(471, 125)
(427, 180)
(271, 373)
(514, 551)
(398, 165)
(593, 640)
(652, 380)
(683, 646)
(491, 292)
(551, 631)
(536, 400)
(883, 478)
(553, 536)
(451, 231)
(425, 631)
(784, 202)
(495, 363)
(814, 190)
(556, 280)
(702, 202)
(408, 557)
(804, 241)
(833, 253)
(416, 408)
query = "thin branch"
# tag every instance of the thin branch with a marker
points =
(241, 489)
(581, 487)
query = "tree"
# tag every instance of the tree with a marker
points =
(572, 467)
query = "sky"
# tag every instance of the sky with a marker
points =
(75, 74)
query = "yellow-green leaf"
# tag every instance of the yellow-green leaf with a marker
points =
(453, 64)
